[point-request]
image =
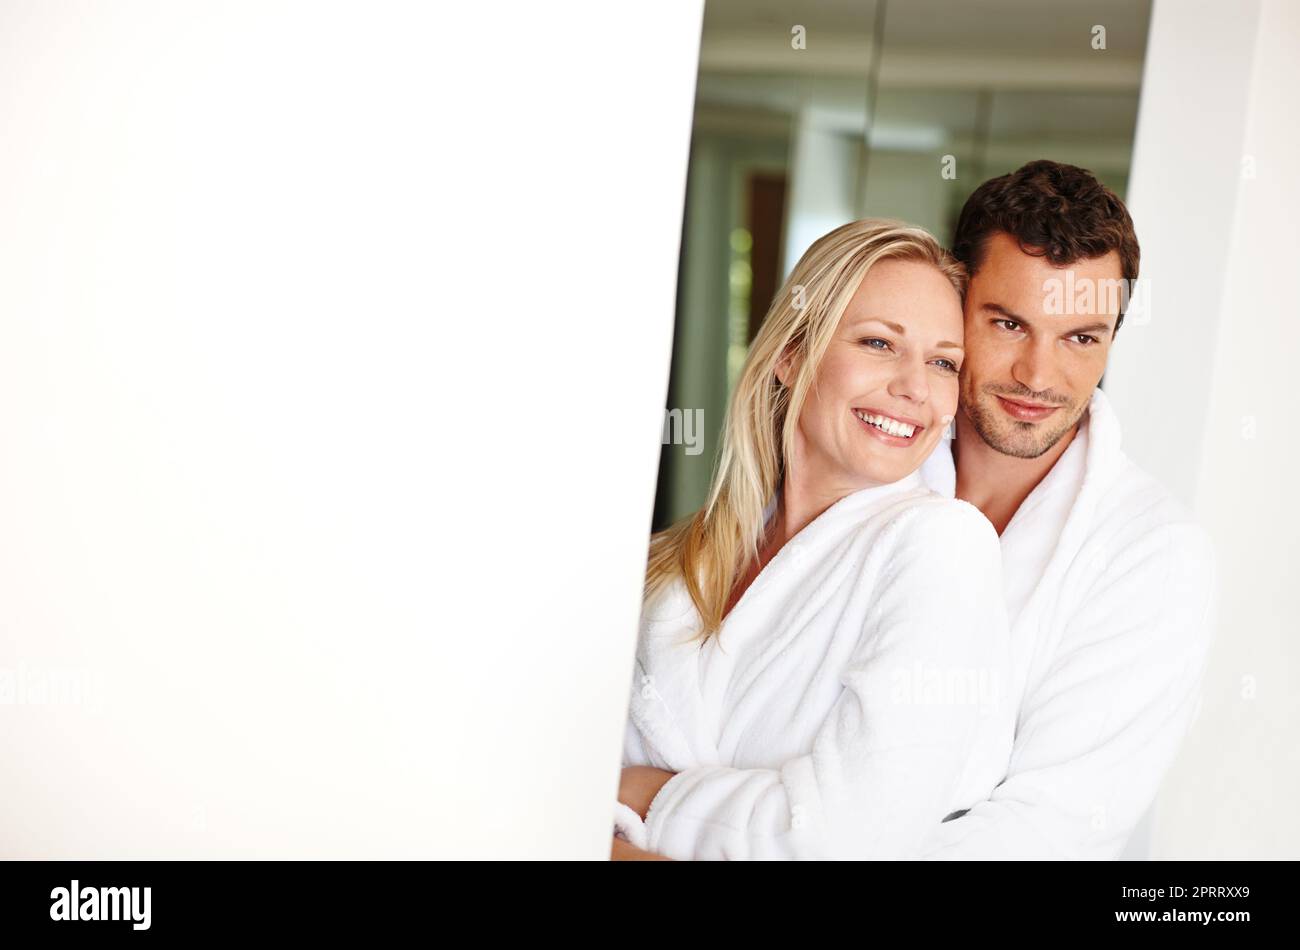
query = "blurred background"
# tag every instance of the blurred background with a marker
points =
(894, 108)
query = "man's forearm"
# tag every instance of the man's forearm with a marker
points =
(623, 851)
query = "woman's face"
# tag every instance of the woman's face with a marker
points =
(887, 387)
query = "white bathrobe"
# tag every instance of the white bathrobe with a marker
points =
(1110, 593)
(858, 693)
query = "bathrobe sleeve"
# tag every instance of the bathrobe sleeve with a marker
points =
(884, 766)
(1098, 732)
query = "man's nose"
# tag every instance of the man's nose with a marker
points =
(1033, 367)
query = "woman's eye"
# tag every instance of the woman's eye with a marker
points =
(946, 365)
(872, 342)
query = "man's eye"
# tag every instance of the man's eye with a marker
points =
(1007, 324)
(1084, 339)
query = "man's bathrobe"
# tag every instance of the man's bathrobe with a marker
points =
(858, 693)
(1110, 593)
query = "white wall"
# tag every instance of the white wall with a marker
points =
(330, 396)
(1207, 396)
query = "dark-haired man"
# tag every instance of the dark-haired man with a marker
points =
(1109, 583)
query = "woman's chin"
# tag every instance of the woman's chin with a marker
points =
(890, 464)
(879, 473)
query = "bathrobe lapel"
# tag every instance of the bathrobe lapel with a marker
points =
(791, 590)
(1063, 506)
(1045, 611)
(684, 694)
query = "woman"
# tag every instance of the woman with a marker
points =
(823, 648)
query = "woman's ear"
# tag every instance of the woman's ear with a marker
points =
(785, 367)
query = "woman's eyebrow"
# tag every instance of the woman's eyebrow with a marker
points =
(896, 327)
(902, 331)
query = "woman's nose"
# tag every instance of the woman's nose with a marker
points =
(910, 383)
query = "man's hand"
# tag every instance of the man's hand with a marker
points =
(639, 784)
(622, 851)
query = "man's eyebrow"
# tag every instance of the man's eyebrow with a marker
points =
(902, 331)
(998, 308)
(1090, 328)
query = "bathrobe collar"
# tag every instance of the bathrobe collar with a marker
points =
(1056, 518)
(1102, 460)
(828, 526)
(674, 603)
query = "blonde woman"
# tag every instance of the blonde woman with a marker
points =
(822, 665)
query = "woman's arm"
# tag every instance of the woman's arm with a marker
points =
(932, 662)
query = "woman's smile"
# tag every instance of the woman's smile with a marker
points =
(892, 430)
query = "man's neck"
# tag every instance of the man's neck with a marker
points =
(998, 484)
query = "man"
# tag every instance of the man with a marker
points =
(1109, 584)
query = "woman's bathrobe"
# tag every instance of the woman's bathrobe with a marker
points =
(856, 696)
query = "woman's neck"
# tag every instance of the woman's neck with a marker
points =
(799, 504)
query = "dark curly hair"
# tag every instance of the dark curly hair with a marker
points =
(1061, 212)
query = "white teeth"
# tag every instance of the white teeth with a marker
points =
(886, 424)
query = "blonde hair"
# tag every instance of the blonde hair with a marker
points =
(712, 548)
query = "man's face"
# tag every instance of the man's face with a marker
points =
(1037, 338)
